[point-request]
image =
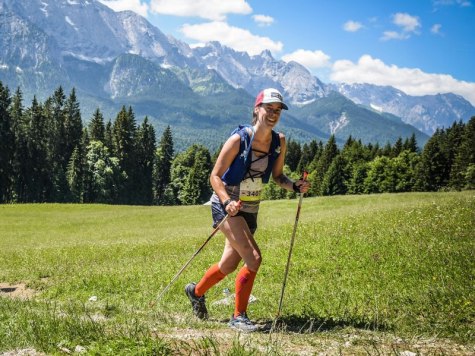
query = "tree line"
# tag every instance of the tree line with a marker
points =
(447, 162)
(47, 154)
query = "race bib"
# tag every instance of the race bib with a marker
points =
(250, 189)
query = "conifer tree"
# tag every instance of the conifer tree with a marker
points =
(75, 176)
(146, 146)
(196, 188)
(453, 139)
(334, 181)
(108, 140)
(410, 144)
(354, 155)
(316, 153)
(124, 138)
(329, 153)
(463, 169)
(56, 126)
(309, 151)
(87, 195)
(387, 150)
(21, 157)
(56, 139)
(432, 169)
(375, 150)
(96, 127)
(293, 155)
(398, 148)
(6, 146)
(72, 125)
(38, 175)
(162, 171)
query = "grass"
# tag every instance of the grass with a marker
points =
(369, 274)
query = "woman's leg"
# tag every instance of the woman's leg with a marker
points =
(212, 276)
(240, 243)
(228, 263)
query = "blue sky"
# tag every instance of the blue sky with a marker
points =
(418, 46)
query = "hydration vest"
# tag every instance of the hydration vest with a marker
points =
(242, 162)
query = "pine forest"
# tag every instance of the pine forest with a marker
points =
(47, 154)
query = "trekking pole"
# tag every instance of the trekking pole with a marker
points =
(304, 177)
(216, 229)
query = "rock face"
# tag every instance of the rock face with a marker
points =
(116, 58)
(427, 113)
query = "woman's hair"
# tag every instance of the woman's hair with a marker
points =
(254, 116)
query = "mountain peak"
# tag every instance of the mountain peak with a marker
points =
(109, 55)
(266, 54)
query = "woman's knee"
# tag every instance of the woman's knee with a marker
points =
(228, 267)
(255, 262)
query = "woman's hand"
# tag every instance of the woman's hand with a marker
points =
(301, 186)
(233, 207)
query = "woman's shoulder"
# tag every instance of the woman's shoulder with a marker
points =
(281, 137)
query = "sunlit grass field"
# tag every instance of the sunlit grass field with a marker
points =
(397, 266)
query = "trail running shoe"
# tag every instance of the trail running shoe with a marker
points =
(242, 323)
(198, 303)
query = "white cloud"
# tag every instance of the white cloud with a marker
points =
(215, 10)
(309, 59)
(393, 35)
(407, 22)
(462, 3)
(352, 26)
(234, 37)
(122, 5)
(412, 81)
(263, 20)
(435, 29)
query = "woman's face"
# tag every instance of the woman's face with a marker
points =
(269, 114)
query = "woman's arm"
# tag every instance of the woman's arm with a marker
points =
(226, 156)
(278, 171)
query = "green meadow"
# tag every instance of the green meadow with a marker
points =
(370, 274)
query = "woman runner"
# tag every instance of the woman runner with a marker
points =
(245, 162)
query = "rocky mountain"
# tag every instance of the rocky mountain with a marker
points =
(427, 113)
(253, 73)
(119, 58)
(337, 115)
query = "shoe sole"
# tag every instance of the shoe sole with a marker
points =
(241, 329)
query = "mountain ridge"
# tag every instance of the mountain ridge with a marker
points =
(119, 58)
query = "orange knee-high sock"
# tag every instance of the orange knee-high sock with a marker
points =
(244, 282)
(212, 276)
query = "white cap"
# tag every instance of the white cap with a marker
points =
(270, 95)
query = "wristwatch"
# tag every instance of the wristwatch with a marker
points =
(227, 202)
(296, 188)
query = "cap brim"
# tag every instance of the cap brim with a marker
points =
(284, 106)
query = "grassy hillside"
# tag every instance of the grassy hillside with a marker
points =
(370, 274)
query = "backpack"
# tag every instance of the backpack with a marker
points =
(242, 162)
